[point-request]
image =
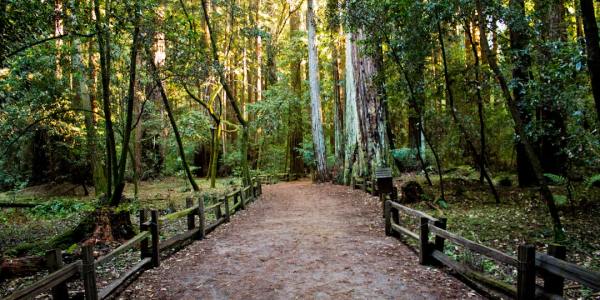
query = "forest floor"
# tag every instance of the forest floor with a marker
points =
(300, 240)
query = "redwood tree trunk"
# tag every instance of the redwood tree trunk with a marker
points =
(338, 111)
(519, 42)
(315, 97)
(296, 162)
(593, 49)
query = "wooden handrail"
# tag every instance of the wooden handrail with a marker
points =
(487, 251)
(179, 214)
(48, 282)
(568, 270)
(504, 288)
(413, 212)
(128, 245)
(214, 206)
(107, 291)
(405, 230)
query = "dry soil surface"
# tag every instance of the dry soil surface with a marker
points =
(299, 241)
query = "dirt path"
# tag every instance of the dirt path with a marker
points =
(299, 241)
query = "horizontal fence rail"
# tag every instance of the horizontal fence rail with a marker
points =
(551, 267)
(48, 282)
(149, 245)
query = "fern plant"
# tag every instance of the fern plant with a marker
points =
(554, 179)
(593, 181)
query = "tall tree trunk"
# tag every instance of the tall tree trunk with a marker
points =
(295, 114)
(519, 43)
(338, 110)
(85, 102)
(214, 156)
(593, 49)
(159, 55)
(546, 193)
(259, 55)
(479, 83)
(352, 132)
(120, 181)
(103, 37)
(415, 117)
(370, 95)
(315, 95)
(58, 31)
(550, 112)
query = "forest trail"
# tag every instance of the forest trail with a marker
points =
(299, 241)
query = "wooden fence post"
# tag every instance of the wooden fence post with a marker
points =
(155, 238)
(191, 218)
(54, 262)
(88, 273)
(201, 219)
(227, 212)
(238, 195)
(388, 218)
(235, 201)
(259, 186)
(243, 196)
(554, 284)
(144, 252)
(526, 272)
(374, 191)
(394, 194)
(395, 217)
(218, 211)
(424, 241)
(439, 241)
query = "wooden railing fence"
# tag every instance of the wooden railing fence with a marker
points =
(366, 185)
(552, 267)
(149, 244)
(274, 178)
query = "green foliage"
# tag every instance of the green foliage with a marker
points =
(233, 160)
(554, 179)
(560, 200)
(72, 249)
(308, 154)
(593, 181)
(442, 203)
(60, 208)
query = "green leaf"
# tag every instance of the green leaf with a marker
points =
(560, 200)
(442, 203)
(554, 179)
